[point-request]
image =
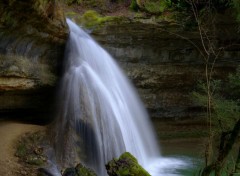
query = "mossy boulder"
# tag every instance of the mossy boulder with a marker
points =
(79, 170)
(125, 165)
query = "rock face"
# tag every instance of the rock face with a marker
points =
(163, 65)
(33, 34)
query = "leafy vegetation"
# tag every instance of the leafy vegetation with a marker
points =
(236, 5)
(225, 107)
(225, 100)
(134, 5)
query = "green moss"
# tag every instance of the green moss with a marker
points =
(150, 6)
(21, 150)
(70, 14)
(156, 7)
(29, 149)
(92, 19)
(128, 156)
(170, 17)
(126, 165)
(35, 160)
(83, 171)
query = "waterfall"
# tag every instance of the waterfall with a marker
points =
(99, 115)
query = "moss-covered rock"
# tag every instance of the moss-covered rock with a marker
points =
(150, 6)
(79, 170)
(92, 20)
(30, 149)
(125, 165)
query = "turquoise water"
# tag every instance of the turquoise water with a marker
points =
(192, 168)
(175, 165)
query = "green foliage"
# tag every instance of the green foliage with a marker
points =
(126, 165)
(224, 100)
(236, 5)
(134, 6)
(213, 6)
(226, 113)
(234, 84)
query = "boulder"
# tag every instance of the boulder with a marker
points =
(79, 170)
(125, 165)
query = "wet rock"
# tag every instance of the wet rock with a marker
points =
(44, 172)
(125, 165)
(79, 170)
(32, 41)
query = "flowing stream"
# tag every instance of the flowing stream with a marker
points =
(100, 116)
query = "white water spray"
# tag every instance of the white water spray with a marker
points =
(100, 116)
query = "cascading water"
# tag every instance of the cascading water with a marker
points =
(100, 116)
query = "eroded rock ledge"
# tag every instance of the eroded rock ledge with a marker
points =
(33, 34)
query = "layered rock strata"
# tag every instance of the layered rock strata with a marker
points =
(33, 34)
